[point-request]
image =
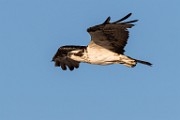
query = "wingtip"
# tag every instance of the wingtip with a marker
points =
(129, 14)
(107, 20)
(122, 19)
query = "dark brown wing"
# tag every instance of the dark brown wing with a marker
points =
(112, 36)
(61, 58)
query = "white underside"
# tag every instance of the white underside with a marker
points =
(101, 56)
(106, 57)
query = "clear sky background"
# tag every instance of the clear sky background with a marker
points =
(31, 88)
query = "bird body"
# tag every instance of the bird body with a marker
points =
(106, 47)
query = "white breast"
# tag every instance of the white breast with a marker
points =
(101, 56)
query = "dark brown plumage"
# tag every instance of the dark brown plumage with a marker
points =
(106, 47)
(112, 36)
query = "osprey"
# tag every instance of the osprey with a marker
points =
(106, 47)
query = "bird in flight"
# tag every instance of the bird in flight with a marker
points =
(106, 47)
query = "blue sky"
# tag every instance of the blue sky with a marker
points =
(31, 88)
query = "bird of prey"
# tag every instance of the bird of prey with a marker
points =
(106, 47)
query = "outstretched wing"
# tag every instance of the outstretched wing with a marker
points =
(61, 58)
(112, 36)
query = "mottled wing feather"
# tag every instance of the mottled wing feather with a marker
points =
(61, 60)
(116, 36)
(111, 36)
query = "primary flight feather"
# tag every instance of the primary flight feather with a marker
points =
(106, 47)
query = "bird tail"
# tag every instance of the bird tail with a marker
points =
(143, 62)
(131, 62)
